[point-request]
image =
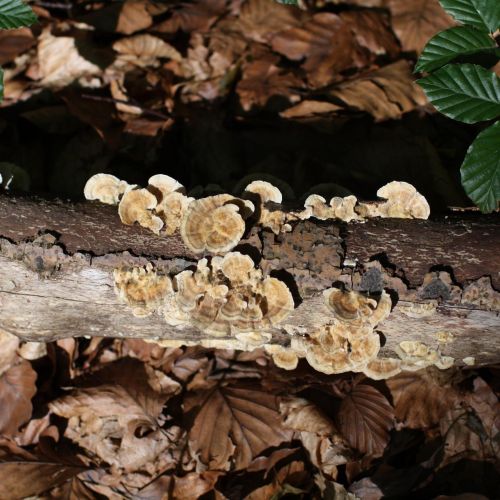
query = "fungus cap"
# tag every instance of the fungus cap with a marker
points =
(403, 201)
(136, 206)
(282, 357)
(171, 210)
(382, 368)
(266, 191)
(106, 188)
(316, 206)
(214, 224)
(165, 184)
(344, 208)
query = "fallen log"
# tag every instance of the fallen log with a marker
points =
(57, 263)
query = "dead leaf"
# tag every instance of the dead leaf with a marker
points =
(193, 485)
(118, 419)
(416, 21)
(17, 387)
(386, 94)
(144, 50)
(15, 42)
(234, 423)
(309, 109)
(24, 474)
(134, 16)
(198, 15)
(365, 418)
(60, 63)
(263, 79)
(332, 44)
(422, 398)
(320, 437)
(8, 350)
(260, 20)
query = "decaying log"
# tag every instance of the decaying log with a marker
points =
(57, 260)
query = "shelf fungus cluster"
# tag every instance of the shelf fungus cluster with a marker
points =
(226, 296)
(349, 342)
(216, 224)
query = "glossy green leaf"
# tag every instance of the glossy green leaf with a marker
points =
(465, 92)
(1, 85)
(15, 14)
(482, 14)
(289, 2)
(452, 43)
(481, 169)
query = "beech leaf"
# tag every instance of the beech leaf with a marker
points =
(365, 418)
(234, 422)
(17, 387)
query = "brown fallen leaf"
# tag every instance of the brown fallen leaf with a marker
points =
(8, 350)
(365, 418)
(320, 437)
(60, 63)
(24, 474)
(198, 16)
(14, 42)
(386, 93)
(134, 16)
(260, 20)
(233, 425)
(416, 21)
(309, 109)
(263, 79)
(422, 398)
(332, 44)
(17, 387)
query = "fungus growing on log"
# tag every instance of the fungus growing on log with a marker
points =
(283, 357)
(416, 355)
(348, 343)
(338, 208)
(142, 288)
(265, 192)
(137, 205)
(402, 200)
(172, 201)
(228, 296)
(106, 188)
(215, 224)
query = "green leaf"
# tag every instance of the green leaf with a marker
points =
(466, 92)
(15, 14)
(482, 14)
(481, 169)
(452, 43)
(1, 85)
(289, 2)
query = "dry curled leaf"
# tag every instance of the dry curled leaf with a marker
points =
(134, 16)
(23, 474)
(365, 418)
(416, 21)
(421, 398)
(17, 387)
(234, 424)
(386, 94)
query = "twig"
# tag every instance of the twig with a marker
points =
(146, 111)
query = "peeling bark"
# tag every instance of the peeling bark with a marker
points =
(57, 261)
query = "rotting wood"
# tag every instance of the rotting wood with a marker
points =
(57, 261)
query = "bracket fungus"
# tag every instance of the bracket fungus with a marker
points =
(228, 296)
(338, 208)
(106, 188)
(137, 205)
(143, 288)
(215, 224)
(172, 201)
(402, 200)
(416, 355)
(284, 358)
(349, 342)
(265, 192)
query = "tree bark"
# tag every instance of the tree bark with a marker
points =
(57, 260)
